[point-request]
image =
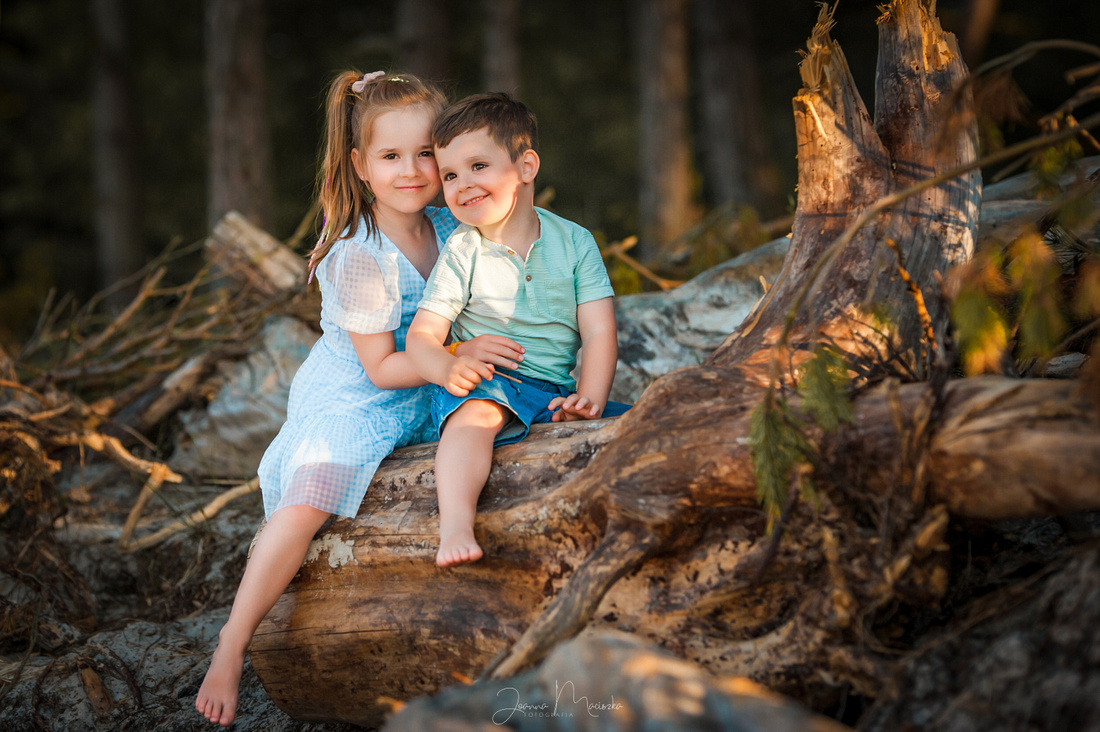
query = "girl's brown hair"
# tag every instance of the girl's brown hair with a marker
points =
(343, 197)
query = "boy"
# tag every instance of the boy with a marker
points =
(510, 270)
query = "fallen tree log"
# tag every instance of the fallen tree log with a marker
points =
(369, 589)
(650, 524)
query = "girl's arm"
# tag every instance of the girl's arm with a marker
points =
(599, 354)
(387, 367)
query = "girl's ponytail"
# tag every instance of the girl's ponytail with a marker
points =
(354, 100)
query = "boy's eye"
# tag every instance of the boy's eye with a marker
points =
(479, 166)
(448, 176)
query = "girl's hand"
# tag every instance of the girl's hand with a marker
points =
(573, 408)
(466, 373)
(494, 349)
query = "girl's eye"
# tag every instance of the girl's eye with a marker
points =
(427, 154)
(389, 156)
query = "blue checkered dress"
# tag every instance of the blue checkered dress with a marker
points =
(339, 425)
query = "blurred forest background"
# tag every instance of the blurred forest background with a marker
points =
(127, 126)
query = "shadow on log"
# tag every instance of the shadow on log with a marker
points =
(650, 524)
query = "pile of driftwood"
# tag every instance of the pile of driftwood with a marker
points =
(87, 383)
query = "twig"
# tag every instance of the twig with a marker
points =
(1079, 333)
(618, 250)
(112, 447)
(918, 296)
(304, 225)
(780, 527)
(1026, 51)
(6, 384)
(156, 479)
(198, 517)
(93, 343)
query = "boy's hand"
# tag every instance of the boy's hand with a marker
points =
(574, 408)
(494, 349)
(466, 373)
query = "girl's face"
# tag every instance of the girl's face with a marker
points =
(399, 164)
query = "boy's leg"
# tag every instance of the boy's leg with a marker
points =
(275, 560)
(462, 463)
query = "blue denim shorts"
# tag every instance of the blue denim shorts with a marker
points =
(527, 401)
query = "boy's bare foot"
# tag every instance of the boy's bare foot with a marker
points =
(458, 548)
(217, 699)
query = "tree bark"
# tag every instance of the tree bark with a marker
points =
(979, 22)
(650, 523)
(116, 176)
(500, 61)
(665, 207)
(423, 38)
(240, 140)
(735, 150)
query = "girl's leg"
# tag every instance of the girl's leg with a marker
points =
(462, 464)
(275, 560)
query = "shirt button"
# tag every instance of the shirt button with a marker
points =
(511, 252)
(528, 278)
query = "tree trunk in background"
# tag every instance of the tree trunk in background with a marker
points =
(423, 39)
(500, 62)
(733, 145)
(117, 229)
(665, 207)
(979, 21)
(240, 139)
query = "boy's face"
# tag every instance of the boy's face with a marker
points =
(481, 182)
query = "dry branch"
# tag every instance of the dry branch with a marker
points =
(201, 516)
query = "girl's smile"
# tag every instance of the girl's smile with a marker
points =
(399, 163)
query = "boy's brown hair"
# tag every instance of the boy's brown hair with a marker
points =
(510, 122)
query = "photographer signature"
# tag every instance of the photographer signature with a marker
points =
(545, 709)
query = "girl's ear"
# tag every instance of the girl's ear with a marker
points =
(529, 166)
(360, 163)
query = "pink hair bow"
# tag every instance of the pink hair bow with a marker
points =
(360, 85)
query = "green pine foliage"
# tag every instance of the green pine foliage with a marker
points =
(777, 436)
(824, 389)
(778, 446)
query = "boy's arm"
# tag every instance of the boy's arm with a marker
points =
(424, 344)
(599, 354)
(386, 367)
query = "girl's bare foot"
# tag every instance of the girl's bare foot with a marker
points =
(217, 699)
(458, 548)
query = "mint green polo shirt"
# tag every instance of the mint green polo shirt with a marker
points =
(484, 288)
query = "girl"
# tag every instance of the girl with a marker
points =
(356, 397)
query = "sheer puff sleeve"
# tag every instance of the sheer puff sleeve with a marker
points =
(360, 288)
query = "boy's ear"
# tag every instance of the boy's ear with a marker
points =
(360, 163)
(529, 166)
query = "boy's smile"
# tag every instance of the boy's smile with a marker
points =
(482, 184)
